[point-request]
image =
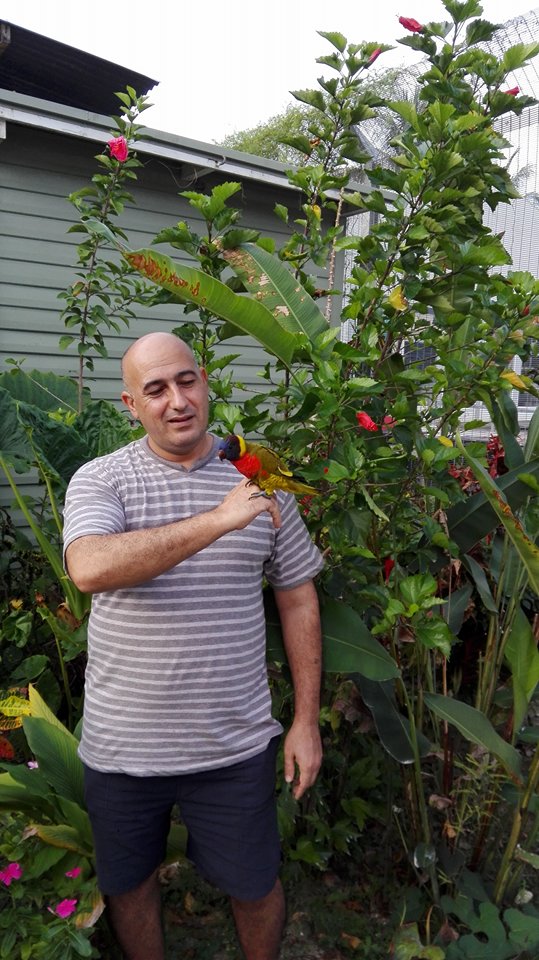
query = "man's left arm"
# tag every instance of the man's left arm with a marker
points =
(300, 622)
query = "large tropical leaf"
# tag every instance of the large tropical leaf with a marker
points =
(392, 727)
(15, 451)
(527, 550)
(531, 447)
(30, 798)
(194, 286)
(56, 751)
(44, 390)
(104, 429)
(38, 708)
(523, 658)
(349, 647)
(274, 286)
(62, 835)
(470, 521)
(476, 728)
(58, 448)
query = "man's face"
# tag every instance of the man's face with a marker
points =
(168, 393)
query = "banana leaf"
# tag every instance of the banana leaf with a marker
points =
(274, 286)
(470, 521)
(527, 550)
(476, 728)
(47, 391)
(248, 315)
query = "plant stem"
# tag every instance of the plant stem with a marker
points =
(502, 878)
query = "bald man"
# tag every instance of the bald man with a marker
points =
(177, 705)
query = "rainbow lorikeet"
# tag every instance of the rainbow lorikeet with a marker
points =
(262, 466)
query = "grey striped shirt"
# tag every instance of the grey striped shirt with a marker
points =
(176, 677)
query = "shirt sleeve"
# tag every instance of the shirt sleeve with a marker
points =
(295, 558)
(92, 505)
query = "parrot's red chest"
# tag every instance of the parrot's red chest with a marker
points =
(249, 465)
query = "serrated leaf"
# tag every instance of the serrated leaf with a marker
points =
(338, 40)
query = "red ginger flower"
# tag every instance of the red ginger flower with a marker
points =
(388, 567)
(410, 24)
(118, 149)
(374, 55)
(365, 421)
(513, 92)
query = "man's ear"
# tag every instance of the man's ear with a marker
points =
(130, 404)
(204, 374)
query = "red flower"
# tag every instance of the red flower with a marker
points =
(64, 909)
(410, 24)
(388, 423)
(513, 92)
(13, 871)
(374, 55)
(365, 421)
(525, 311)
(388, 567)
(118, 149)
(326, 469)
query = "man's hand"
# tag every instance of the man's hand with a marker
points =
(302, 750)
(240, 507)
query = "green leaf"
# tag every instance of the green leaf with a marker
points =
(393, 728)
(338, 40)
(475, 728)
(247, 315)
(455, 608)
(28, 797)
(531, 448)
(527, 550)
(15, 451)
(474, 518)
(44, 390)
(275, 287)
(517, 55)
(103, 428)
(176, 843)
(63, 835)
(56, 751)
(523, 657)
(313, 97)
(407, 945)
(481, 582)
(349, 647)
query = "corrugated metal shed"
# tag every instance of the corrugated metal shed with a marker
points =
(40, 67)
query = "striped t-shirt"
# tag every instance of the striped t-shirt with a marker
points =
(176, 678)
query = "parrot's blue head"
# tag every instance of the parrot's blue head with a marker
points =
(231, 448)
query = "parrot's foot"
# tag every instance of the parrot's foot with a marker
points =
(261, 493)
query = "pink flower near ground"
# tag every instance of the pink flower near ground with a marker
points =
(118, 149)
(13, 871)
(32, 765)
(74, 873)
(410, 24)
(365, 421)
(65, 908)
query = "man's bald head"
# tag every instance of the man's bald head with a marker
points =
(158, 342)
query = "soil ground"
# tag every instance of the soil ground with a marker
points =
(328, 919)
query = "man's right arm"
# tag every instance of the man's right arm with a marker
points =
(114, 561)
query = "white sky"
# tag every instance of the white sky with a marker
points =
(223, 65)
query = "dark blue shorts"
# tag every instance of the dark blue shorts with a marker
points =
(230, 815)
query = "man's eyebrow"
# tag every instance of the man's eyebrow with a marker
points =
(159, 381)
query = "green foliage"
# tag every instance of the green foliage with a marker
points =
(102, 297)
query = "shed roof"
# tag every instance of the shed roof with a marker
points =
(41, 67)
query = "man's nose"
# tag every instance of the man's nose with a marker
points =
(177, 396)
